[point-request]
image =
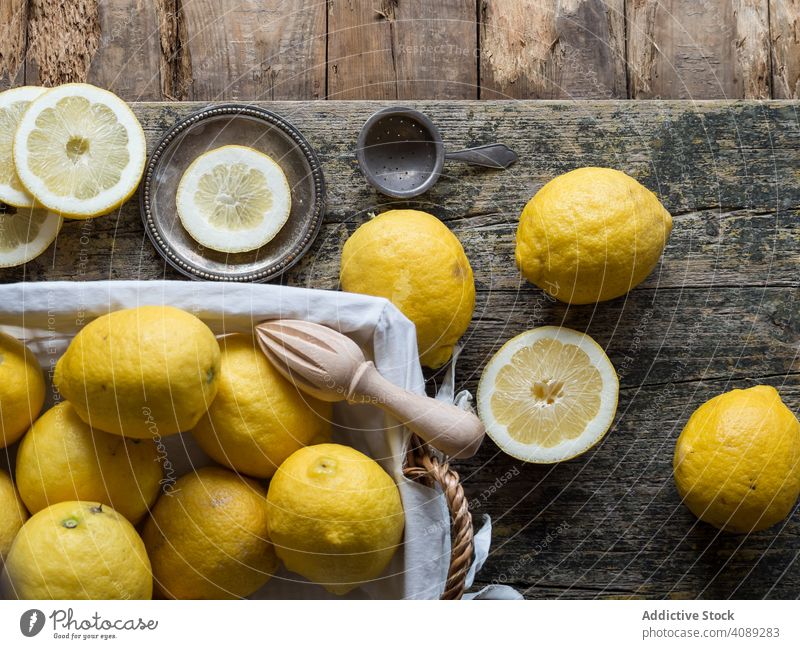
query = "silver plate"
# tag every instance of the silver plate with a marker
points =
(212, 128)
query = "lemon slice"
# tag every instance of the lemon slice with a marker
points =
(548, 395)
(79, 150)
(25, 233)
(13, 103)
(233, 199)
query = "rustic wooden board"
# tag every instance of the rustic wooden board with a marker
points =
(13, 28)
(720, 311)
(255, 49)
(388, 49)
(784, 23)
(415, 49)
(532, 49)
(684, 49)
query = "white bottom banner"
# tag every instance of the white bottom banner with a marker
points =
(401, 624)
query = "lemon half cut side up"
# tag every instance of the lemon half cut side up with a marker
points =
(548, 395)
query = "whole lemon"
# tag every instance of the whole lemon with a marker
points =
(78, 550)
(61, 458)
(258, 418)
(335, 516)
(22, 389)
(412, 259)
(143, 372)
(12, 514)
(737, 461)
(590, 235)
(208, 537)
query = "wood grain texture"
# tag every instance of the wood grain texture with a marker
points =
(63, 38)
(13, 27)
(255, 49)
(683, 49)
(721, 310)
(402, 49)
(128, 56)
(554, 49)
(784, 18)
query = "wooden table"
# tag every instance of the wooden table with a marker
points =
(720, 311)
(407, 49)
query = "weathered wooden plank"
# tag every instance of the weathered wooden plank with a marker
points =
(784, 24)
(255, 49)
(13, 26)
(128, 57)
(610, 524)
(114, 44)
(720, 311)
(683, 49)
(402, 50)
(532, 49)
(62, 41)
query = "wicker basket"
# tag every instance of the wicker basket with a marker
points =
(424, 466)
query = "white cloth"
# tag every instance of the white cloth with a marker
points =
(46, 315)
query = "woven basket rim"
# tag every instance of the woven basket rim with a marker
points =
(423, 465)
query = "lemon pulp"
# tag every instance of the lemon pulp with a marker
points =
(548, 395)
(549, 392)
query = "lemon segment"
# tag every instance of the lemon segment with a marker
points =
(13, 104)
(79, 150)
(25, 233)
(233, 199)
(548, 395)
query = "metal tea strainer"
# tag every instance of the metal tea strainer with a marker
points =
(401, 152)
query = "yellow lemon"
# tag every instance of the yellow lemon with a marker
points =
(335, 516)
(61, 458)
(78, 550)
(79, 150)
(412, 259)
(22, 389)
(12, 515)
(13, 104)
(144, 372)
(590, 235)
(548, 395)
(208, 537)
(258, 418)
(233, 199)
(737, 461)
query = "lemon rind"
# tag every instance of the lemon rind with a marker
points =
(42, 242)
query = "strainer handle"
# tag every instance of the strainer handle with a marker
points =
(495, 156)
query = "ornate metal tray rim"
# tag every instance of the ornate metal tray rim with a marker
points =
(292, 256)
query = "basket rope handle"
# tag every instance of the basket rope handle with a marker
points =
(424, 467)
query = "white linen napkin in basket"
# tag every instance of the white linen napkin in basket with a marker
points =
(48, 314)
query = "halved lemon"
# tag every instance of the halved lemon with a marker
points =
(13, 104)
(548, 395)
(79, 150)
(233, 199)
(25, 233)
